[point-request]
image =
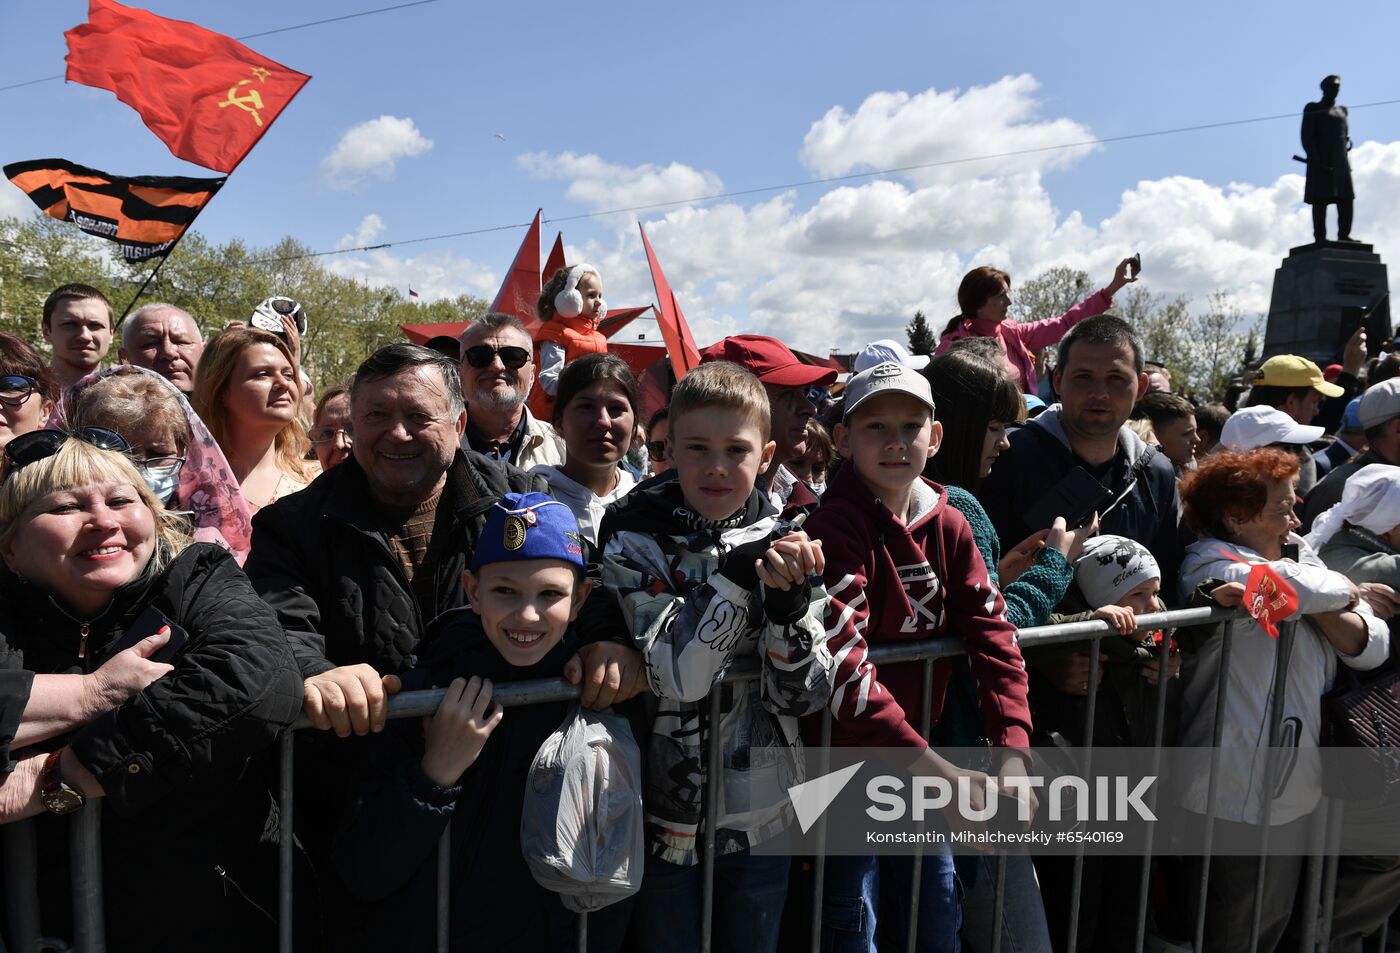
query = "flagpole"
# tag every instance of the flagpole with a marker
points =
(163, 259)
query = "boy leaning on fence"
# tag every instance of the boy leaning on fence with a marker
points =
(902, 566)
(707, 576)
(469, 762)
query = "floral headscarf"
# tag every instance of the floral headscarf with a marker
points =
(208, 492)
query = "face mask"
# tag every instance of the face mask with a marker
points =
(163, 482)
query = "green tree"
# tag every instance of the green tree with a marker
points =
(216, 284)
(1049, 294)
(1200, 346)
(921, 339)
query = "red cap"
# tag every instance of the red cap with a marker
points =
(1331, 373)
(768, 359)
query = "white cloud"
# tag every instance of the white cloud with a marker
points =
(895, 129)
(14, 203)
(834, 268)
(604, 185)
(371, 149)
(433, 275)
(370, 228)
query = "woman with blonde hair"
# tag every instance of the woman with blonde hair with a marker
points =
(249, 395)
(95, 566)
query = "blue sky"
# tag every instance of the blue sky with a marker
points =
(623, 103)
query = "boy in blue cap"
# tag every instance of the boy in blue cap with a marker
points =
(468, 763)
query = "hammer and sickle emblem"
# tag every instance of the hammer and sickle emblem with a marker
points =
(249, 102)
(260, 73)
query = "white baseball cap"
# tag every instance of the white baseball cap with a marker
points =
(1261, 426)
(879, 352)
(887, 378)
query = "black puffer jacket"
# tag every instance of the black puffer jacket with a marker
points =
(339, 590)
(173, 759)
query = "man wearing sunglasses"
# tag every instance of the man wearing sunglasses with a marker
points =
(498, 369)
(164, 339)
(77, 323)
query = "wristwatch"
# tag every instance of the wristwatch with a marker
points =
(57, 796)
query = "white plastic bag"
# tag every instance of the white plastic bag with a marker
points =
(581, 826)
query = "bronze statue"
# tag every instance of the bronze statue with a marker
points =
(1326, 143)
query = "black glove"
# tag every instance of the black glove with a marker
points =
(786, 606)
(737, 565)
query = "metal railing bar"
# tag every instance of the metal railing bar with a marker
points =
(1335, 818)
(1091, 697)
(712, 789)
(85, 850)
(916, 875)
(444, 887)
(286, 840)
(1312, 884)
(999, 903)
(819, 861)
(1158, 731)
(1287, 633)
(85, 857)
(1213, 781)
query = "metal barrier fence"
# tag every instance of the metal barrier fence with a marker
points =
(1319, 884)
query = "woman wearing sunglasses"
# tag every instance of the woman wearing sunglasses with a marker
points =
(248, 393)
(27, 389)
(595, 412)
(171, 447)
(93, 565)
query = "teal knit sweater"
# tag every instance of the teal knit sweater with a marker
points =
(1033, 596)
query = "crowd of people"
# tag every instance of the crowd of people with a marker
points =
(197, 550)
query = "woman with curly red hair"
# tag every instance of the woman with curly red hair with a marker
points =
(1241, 504)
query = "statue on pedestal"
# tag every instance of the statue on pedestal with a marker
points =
(1326, 143)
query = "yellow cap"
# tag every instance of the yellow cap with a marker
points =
(1290, 370)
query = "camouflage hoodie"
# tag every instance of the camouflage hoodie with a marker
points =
(691, 619)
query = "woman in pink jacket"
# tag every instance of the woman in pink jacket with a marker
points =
(985, 299)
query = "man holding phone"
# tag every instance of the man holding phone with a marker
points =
(1080, 458)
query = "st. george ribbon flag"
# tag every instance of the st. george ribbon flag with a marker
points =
(145, 215)
(207, 96)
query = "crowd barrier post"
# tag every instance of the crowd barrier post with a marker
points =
(85, 860)
(1213, 782)
(1283, 651)
(19, 849)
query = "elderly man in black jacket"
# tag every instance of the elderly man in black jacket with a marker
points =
(360, 562)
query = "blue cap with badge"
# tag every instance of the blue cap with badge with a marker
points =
(528, 526)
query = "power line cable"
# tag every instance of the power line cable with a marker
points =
(250, 36)
(827, 180)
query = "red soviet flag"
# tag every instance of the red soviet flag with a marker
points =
(207, 96)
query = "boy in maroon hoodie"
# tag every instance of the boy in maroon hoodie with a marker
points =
(901, 566)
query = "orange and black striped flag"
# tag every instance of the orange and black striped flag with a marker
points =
(145, 214)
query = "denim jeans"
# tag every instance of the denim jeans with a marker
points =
(1023, 928)
(748, 904)
(863, 894)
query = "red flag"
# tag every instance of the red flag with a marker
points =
(208, 97)
(555, 261)
(674, 331)
(521, 290)
(1268, 597)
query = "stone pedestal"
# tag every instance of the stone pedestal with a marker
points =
(1321, 292)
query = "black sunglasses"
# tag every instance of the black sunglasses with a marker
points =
(481, 355)
(15, 389)
(38, 444)
(656, 450)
